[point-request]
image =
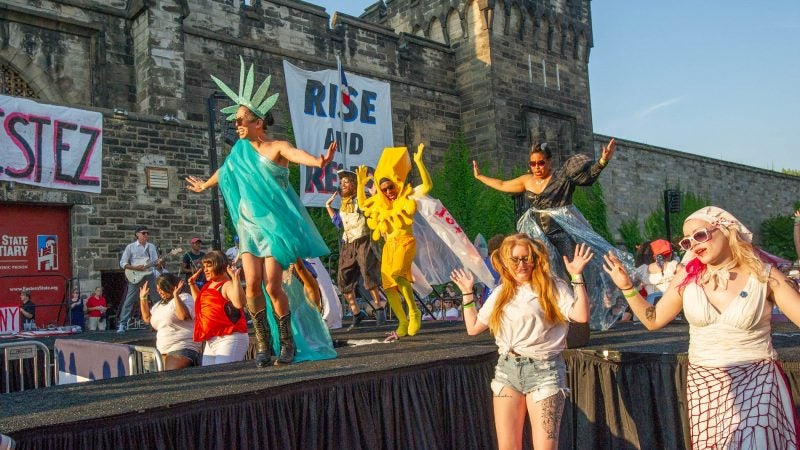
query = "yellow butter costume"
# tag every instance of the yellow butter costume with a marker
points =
(394, 219)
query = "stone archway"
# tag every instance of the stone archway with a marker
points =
(25, 78)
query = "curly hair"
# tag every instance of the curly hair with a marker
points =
(541, 279)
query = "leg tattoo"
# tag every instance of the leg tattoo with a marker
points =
(552, 409)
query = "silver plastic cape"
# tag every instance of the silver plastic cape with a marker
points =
(606, 302)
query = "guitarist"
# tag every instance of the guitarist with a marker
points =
(139, 260)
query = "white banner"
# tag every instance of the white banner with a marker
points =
(313, 104)
(50, 146)
(9, 320)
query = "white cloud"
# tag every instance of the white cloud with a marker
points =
(649, 110)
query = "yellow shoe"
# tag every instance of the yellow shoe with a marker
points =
(402, 329)
(414, 322)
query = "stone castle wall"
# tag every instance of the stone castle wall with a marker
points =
(634, 182)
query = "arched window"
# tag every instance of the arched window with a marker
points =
(11, 83)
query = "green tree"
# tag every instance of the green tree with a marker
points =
(477, 208)
(777, 235)
(631, 235)
(591, 203)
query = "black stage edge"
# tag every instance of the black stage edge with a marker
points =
(426, 392)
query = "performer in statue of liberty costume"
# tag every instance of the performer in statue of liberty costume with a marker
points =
(553, 219)
(273, 226)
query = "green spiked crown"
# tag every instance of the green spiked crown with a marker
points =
(257, 104)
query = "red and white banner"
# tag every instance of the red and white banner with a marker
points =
(50, 146)
(9, 320)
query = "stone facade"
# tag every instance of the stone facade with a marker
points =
(505, 72)
(633, 184)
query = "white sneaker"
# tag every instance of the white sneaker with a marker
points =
(121, 329)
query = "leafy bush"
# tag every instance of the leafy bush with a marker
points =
(777, 235)
(654, 223)
(631, 235)
(591, 203)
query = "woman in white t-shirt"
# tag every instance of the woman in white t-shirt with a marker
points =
(657, 269)
(173, 319)
(529, 315)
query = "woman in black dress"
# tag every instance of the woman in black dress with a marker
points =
(553, 219)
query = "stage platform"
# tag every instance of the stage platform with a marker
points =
(430, 391)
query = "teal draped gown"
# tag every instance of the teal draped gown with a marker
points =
(271, 221)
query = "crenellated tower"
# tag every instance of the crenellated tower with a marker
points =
(521, 69)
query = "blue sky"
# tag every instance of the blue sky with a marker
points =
(715, 78)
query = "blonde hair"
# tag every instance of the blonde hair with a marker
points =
(743, 252)
(541, 280)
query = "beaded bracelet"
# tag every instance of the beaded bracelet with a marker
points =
(577, 282)
(467, 293)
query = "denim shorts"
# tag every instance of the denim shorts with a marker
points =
(194, 356)
(542, 378)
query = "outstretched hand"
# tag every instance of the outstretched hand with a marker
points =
(177, 291)
(144, 290)
(475, 171)
(195, 276)
(609, 149)
(418, 153)
(195, 184)
(234, 272)
(463, 279)
(616, 271)
(328, 157)
(583, 254)
(329, 202)
(362, 175)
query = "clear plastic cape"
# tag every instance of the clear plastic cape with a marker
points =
(442, 245)
(606, 302)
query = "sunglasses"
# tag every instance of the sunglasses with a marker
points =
(242, 121)
(699, 236)
(525, 260)
(539, 163)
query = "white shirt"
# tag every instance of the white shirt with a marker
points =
(173, 334)
(523, 328)
(136, 254)
(451, 313)
(659, 281)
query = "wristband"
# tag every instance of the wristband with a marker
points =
(602, 162)
(468, 305)
(631, 294)
(576, 277)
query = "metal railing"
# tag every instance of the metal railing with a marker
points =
(21, 352)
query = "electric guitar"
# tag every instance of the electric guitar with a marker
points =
(135, 276)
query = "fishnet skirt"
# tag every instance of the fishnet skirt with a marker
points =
(741, 407)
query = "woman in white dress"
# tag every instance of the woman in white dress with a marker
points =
(738, 396)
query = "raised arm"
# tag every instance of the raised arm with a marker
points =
(427, 184)
(362, 178)
(797, 233)
(195, 184)
(299, 156)
(580, 310)
(144, 301)
(466, 283)
(515, 186)
(233, 291)
(652, 316)
(786, 296)
(181, 311)
(328, 204)
(193, 284)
